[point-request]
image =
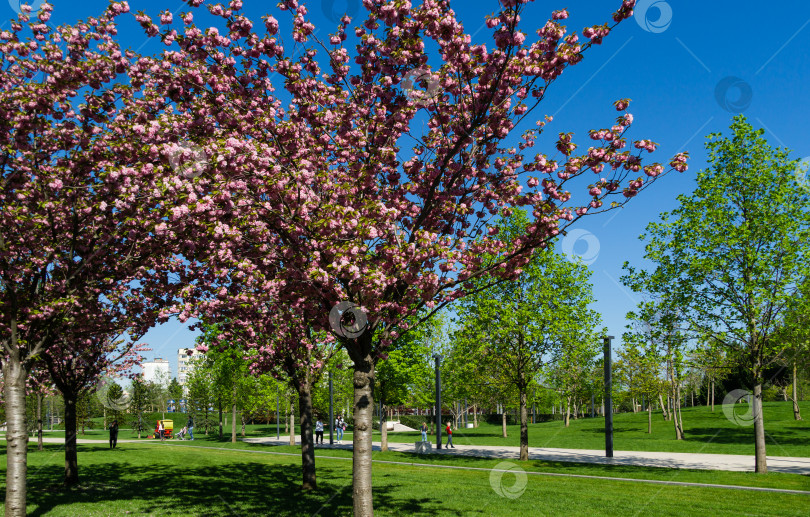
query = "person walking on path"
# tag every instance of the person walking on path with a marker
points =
(318, 431)
(424, 431)
(190, 426)
(339, 426)
(449, 436)
(160, 430)
(113, 434)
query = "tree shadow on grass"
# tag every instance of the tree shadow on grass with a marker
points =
(237, 488)
(745, 435)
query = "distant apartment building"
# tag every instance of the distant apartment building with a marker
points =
(185, 363)
(156, 370)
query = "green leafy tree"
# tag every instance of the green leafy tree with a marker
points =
(175, 392)
(511, 328)
(139, 404)
(732, 255)
(200, 399)
(408, 362)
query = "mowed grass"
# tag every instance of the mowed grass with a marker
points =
(162, 479)
(705, 432)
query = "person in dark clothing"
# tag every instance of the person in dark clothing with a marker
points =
(113, 434)
(190, 426)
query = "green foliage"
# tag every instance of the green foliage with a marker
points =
(732, 255)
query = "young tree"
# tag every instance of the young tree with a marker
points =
(139, 402)
(201, 395)
(76, 363)
(175, 392)
(512, 328)
(733, 254)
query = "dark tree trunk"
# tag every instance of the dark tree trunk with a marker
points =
(383, 428)
(233, 416)
(219, 403)
(309, 479)
(292, 422)
(71, 452)
(39, 421)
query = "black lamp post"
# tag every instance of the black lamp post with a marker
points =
(437, 358)
(608, 401)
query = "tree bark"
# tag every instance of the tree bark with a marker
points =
(39, 421)
(503, 421)
(475, 415)
(383, 431)
(71, 452)
(712, 395)
(309, 480)
(796, 413)
(220, 418)
(292, 423)
(14, 376)
(524, 428)
(649, 417)
(676, 402)
(363, 380)
(663, 407)
(567, 414)
(233, 416)
(761, 462)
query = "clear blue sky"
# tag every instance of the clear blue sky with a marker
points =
(688, 66)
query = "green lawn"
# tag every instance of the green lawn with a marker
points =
(161, 479)
(704, 431)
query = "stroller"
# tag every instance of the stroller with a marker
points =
(182, 434)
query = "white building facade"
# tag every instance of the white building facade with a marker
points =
(185, 363)
(157, 370)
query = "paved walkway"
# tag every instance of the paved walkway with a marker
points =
(679, 460)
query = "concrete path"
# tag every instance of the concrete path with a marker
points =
(679, 460)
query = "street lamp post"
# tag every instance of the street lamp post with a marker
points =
(437, 358)
(608, 401)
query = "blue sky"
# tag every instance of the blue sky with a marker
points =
(689, 67)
